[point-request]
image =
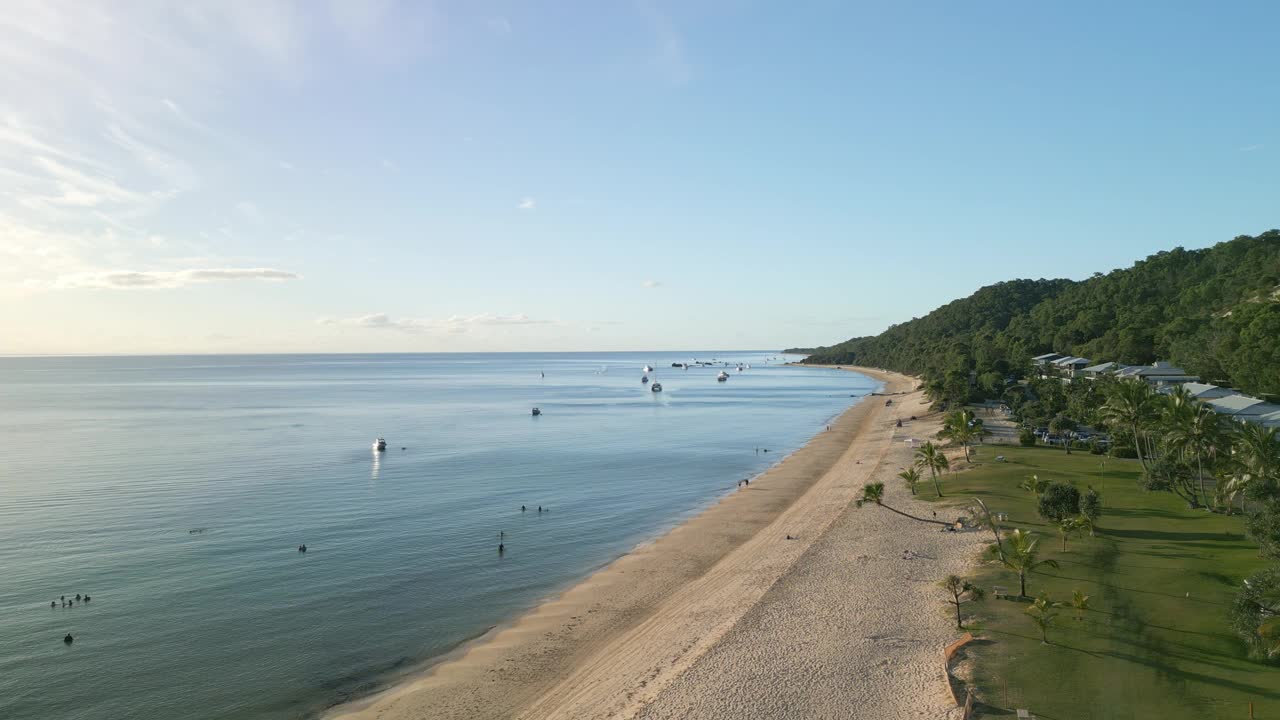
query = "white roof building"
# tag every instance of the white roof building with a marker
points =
(1204, 391)
(1158, 373)
(1238, 406)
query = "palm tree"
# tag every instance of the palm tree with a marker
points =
(987, 519)
(1070, 526)
(1194, 432)
(1257, 452)
(961, 590)
(958, 427)
(1033, 484)
(1080, 602)
(911, 477)
(873, 494)
(1130, 405)
(1022, 557)
(1254, 469)
(929, 456)
(1041, 611)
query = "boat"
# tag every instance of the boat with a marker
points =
(536, 412)
(648, 368)
(379, 445)
(656, 387)
(722, 376)
(644, 379)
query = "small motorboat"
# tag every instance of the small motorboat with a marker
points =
(656, 387)
(645, 379)
(648, 368)
(536, 412)
(722, 376)
(379, 445)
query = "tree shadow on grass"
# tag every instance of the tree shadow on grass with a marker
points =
(1180, 537)
(1189, 676)
(1134, 590)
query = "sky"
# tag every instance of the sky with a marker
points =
(380, 176)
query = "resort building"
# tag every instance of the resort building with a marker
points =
(1240, 407)
(1094, 372)
(1070, 366)
(1158, 373)
(1206, 392)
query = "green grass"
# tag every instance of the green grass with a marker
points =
(1146, 649)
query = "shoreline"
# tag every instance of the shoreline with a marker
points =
(610, 645)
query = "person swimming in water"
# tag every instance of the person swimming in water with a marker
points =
(68, 639)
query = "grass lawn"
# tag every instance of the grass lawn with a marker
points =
(1156, 642)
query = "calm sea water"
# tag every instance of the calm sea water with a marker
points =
(108, 465)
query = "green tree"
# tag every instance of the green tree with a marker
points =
(1061, 425)
(1080, 602)
(1042, 613)
(1091, 509)
(931, 457)
(1255, 614)
(1022, 557)
(1033, 484)
(984, 518)
(1058, 502)
(873, 494)
(911, 477)
(1068, 527)
(961, 591)
(1263, 527)
(1130, 405)
(1194, 433)
(1027, 437)
(1169, 473)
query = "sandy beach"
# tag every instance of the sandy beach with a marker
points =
(725, 617)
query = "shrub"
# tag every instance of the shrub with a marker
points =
(1058, 502)
(1027, 438)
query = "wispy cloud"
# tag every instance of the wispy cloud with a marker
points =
(166, 279)
(388, 164)
(527, 204)
(1250, 148)
(498, 25)
(650, 284)
(669, 54)
(453, 324)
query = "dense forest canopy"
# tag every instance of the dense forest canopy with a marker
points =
(1215, 312)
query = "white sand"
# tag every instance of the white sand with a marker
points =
(725, 618)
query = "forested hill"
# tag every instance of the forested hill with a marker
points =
(1215, 312)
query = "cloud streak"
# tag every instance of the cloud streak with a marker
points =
(451, 325)
(168, 279)
(527, 204)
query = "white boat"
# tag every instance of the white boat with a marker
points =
(656, 387)
(648, 368)
(379, 445)
(722, 376)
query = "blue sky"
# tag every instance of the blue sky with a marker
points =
(383, 176)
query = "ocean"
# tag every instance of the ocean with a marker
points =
(175, 491)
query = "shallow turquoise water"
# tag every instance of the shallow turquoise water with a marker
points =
(108, 464)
